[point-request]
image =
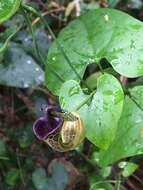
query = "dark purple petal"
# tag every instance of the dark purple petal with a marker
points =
(46, 125)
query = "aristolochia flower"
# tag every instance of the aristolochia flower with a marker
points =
(46, 125)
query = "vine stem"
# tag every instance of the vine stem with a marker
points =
(20, 170)
(32, 10)
(47, 13)
(132, 98)
(77, 6)
(124, 81)
(36, 48)
(102, 182)
(67, 116)
(4, 46)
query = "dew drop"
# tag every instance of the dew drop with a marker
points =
(139, 120)
(53, 58)
(138, 145)
(122, 164)
(29, 62)
(97, 159)
(37, 69)
(90, 60)
(113, 98)
(26, 85)
(49, 37)
(106, 17)
(40, 78)
(26, 39)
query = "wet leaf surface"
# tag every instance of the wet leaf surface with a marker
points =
(129, 137)
(8, 8)
(101, 112)
(102, 33)
(57, 181)
(18, 69)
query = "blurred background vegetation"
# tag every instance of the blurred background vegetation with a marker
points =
(25, 162)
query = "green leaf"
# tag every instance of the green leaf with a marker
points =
(105, 172)
(12, 177)
(129, 137)
(135, 4)
(4, 46)
(8, 8)
(71, 95)
(101, 186)
(102, 33)
(2, 148)
(113, 3)
(18, 69)
(91, 81)
(101, 116)
(57, 181)
(25, 136)
(104, 111)
(43, 42)
(99, 183)
(129, 168)
(39, 179)
(60, 177)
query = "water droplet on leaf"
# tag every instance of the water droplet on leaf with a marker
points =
(106, 17)
(29, 62)
(26, 85)
(53, 58)
(37, 69)
(41, 78)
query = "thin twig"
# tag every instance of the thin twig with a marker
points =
(48, 12)
(130, 184)
(88, 161)
(42, 4)
(46, 92)
(20, 169)
(58, 17)
(138, 179)
(77, 7)
(37, 50)
(102, 182)
(25, 99)
(124, 80)
(35, 12)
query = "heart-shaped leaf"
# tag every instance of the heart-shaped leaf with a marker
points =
(102, 33)
(19, 69)
(57, 181)
(8, 8)
(104, 111)
(72, 98)
(129, 136)
(71, 95)
(100, 112)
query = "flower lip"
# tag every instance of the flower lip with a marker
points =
(46, 125)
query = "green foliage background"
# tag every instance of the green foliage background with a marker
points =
(25, 162)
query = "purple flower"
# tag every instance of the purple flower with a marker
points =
(46, 125)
